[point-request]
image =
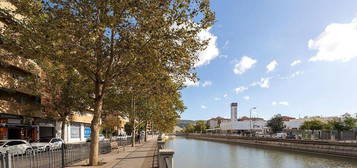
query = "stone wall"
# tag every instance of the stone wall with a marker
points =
(321, 147)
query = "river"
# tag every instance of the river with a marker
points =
(193, 153)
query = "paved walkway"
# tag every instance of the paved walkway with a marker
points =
(141, 156)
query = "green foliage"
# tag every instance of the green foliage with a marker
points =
(136, 52)
(200, 126)
(190, 128)
(313, 125)
(184, 123)
(128, 128)
(346, 124)
(276, 124)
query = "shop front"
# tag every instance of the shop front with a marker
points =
(17, 127)
(46, 128)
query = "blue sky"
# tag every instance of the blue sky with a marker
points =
(320, 36)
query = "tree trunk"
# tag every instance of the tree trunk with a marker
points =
(63, 128)
(133, 135)
(133, 120)
(95, 125)
(146, 129)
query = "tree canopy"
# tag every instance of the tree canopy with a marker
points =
(139, 51)
(313, 125)
(276, 123)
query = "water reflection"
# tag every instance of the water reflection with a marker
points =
(192, 153)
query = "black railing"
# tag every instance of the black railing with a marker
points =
(56, 158)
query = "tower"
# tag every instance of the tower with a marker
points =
(234, 108)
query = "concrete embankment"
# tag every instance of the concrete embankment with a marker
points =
(321, 147)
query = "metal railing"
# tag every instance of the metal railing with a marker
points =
(55, 158)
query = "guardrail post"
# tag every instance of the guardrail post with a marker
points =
(8, 160)
(166, 158)
(62, 151)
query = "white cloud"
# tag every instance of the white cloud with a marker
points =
(297, 73)
(336, 43)
(241, 89)
(246, 97)
(244, 64)
(263, 83)
(211, 52)
(285, 103)
(296, 62)
(189, 83)
(272, 65)
(203, 107)
(206, 83)
(223, 56)
(293, 75)
(225, 95)
(217, 99)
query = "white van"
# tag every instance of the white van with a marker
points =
(280, 135)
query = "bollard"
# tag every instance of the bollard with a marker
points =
(166, 158)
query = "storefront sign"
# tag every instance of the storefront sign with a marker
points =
(87, 132)
(14, 121)
(45, 123)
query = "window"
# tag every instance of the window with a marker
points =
(55, 140)
(75, 130)
(44, 140)
(13, 143)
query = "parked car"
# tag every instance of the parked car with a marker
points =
(101, 138)
(290, 136)
(122, 136)
(15, 147)
(262, 135)
(280, 135)
(48, 144)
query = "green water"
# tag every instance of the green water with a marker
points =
(193, 153)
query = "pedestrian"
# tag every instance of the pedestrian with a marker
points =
(139, 137)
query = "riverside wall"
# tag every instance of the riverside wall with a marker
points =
(320, 147)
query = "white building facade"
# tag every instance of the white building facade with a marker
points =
(77, 128)
(246, 125)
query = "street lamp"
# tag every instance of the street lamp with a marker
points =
(250, 119)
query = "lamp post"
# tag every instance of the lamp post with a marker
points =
(250, 119)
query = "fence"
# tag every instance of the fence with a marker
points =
(326, 135)
(334, 135)
(54, 158)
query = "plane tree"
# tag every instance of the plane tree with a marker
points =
(103, 39)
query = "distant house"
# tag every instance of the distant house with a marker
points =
(296, 123)
(287, 118)
(244, 118)
(178, 129)
(216, 122)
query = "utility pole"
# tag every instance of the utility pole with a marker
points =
(250, 119)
